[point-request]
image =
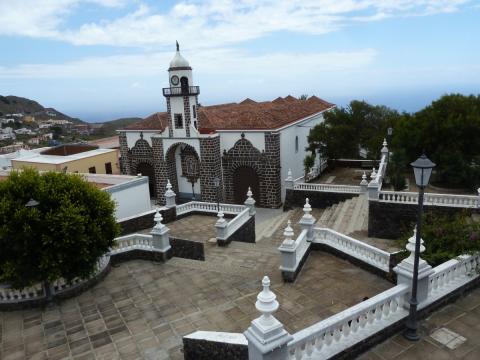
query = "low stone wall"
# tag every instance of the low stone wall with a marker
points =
(138, 254)
(204, 213)
(245, 233)
(200, 349)
(187, 249)
(318, 199)
(291, 276)
(65, 294)
(145, 221)
(392, 220)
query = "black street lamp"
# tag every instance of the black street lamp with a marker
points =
(216, 184)
(422, 168)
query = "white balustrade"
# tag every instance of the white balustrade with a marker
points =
(234, 224)
(8, 294)
(132, 242)
(453, 274)
(327, 188)
(208, 207)
(340, 331)
(465, 201)
(354, 248)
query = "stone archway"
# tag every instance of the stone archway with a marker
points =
(183, 168)
(243, 178)
(146, 169)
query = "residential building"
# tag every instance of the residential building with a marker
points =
(77, 158)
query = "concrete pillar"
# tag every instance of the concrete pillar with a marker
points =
(364, 183)
(221, 226)
(287, 250)
(267, 339)
(307, 221)
(160, 237)
(289, 180)
(404, 269)
(384, 150)
(250, 203)
(372, 189)
(169, 196)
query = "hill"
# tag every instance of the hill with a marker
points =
(108, 128)
(15, 105)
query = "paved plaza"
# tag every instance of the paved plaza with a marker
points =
(457, 323)
(142, 309)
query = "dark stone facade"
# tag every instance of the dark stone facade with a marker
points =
(392, 220)
(124, 157)
(210, 167)
(195, 349)
(266, 164)
(319, 200)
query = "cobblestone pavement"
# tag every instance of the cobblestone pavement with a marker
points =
(460, 318)
(142, 309)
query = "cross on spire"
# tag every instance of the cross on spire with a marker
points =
(178, 46)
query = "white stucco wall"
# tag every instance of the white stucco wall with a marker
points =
(289, 158)
(130, 198)
(133, 136)
(228, 139)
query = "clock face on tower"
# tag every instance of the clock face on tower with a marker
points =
(174, 80)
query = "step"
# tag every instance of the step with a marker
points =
(327, 214)
(355, 215)
(335, 215)
(341, 215)
(362, 223)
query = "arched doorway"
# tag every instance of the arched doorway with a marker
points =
(184, 84)
(147, 170)
(244, 177)
(183, 166)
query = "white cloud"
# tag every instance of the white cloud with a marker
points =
(213, 61)
(210, 23)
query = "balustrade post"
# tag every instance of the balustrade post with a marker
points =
(289, 180)
(384, 150)
(169, 196)
(364, 183)
(372, 189)
(478, 199)
(288, 253)
(267, 339)
(160, 237)
(404, 269)
(307, 221)
(250, 203)
(221, 226)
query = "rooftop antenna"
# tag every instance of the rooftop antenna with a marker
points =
(178, 46)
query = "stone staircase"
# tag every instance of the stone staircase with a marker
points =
(347, 216)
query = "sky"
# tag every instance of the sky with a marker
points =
(104, 59)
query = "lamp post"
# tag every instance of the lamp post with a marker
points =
(216, 184)
(422, 168)
(389, 137)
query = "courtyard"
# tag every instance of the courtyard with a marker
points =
(142, 309)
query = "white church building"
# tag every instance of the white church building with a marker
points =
(246, 144)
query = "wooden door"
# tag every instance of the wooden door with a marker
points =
(245, 177)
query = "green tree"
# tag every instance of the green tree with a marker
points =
(396, 169)
(72, 226)
(345, 130)
(448, 131)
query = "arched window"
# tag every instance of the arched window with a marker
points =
(184, 84)
(296, 144)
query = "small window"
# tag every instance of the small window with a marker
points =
(194, 111)
(92, 170)
(296, 144)
(178, 118)
(108, 168)
(195, 124)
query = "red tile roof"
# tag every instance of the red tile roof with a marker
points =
(246, 115)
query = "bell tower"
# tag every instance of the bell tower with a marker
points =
(182, 98)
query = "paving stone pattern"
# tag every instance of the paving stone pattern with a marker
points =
(142, 309)
(462, 318)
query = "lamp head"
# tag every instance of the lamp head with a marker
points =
(422, 168)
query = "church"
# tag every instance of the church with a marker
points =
(217, 152)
